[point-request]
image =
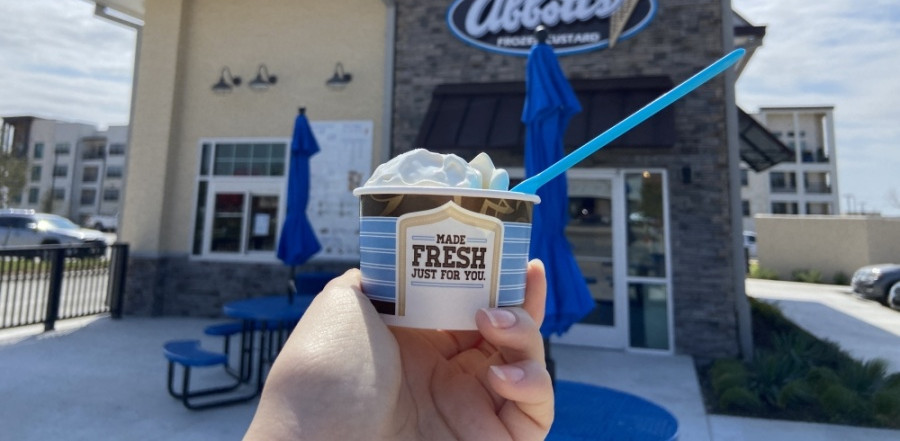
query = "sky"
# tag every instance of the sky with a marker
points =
(58, 61)
(841, 53)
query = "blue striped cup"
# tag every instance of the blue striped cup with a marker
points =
(430, 257)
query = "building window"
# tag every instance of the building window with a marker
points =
(784, 208)
(745, 177)
(783, 182)
(59, 194)
(817, 182)
(63, 148)
(36, 173)
(111, 194)
(114, 171)
(240, 189)
(34, 195)
(38, 150)
(90, 174)
(745, 207)
(818, 208)
(249, 159)
(116, 149)
(60, 171)
(88, 196)
(92, 152)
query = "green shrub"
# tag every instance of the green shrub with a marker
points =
(886, 405)
(770, 372)
(739, 399)
(796, 394)
(807, 276)
(843, 406)
(795, 375)
(758, 272)
(820, 378)
(892, 381)
(841, 278)
(864, 378)
(726, 366)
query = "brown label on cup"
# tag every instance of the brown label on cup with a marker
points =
(447, 257)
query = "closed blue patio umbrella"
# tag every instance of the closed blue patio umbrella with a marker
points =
(549, 105)
(298, 241)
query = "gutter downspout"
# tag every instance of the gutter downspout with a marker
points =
(741, 303)
(102, 11)
(387, 123)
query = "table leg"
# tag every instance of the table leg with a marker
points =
(247, 343)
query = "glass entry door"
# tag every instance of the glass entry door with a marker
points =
(592, 232)
(618, 232)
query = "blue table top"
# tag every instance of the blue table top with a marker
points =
(588, 412)
(270, 308)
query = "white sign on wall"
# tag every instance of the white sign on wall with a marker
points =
(343, 163)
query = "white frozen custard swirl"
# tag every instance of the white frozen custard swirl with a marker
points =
(421, 168)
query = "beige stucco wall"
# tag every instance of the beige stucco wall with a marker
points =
(184, 46)
(829, 244)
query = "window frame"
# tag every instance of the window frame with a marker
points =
(120, 171)
(248, 185)
(106, 190)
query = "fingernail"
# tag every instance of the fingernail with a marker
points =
(500, 318)
(508, 373)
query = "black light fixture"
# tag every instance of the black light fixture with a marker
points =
(340, 79)
(225, 86)
(263, 79)
(686, 174)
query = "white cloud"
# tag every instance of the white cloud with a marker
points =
(57, 60)
(840, 53)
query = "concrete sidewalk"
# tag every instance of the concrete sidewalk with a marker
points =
(97, 379)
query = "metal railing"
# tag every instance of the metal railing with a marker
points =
(47, 283)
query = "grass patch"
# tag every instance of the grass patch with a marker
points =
(758, 272)
(796, 376)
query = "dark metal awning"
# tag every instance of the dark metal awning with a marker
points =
(759, 148)
(487, 116)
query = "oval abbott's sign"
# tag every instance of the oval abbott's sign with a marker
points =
(575, 26)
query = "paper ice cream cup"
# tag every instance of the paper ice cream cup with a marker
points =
(431, 257)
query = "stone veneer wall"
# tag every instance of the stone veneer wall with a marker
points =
(684, 37)
(202, 287)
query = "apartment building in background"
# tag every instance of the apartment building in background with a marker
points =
(73, 169)
(808, 183)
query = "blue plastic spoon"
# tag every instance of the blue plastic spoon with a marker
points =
(531, 185)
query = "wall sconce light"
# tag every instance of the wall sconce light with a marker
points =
(263, 80)
(225, 86)
(686, 174)
(340, 79)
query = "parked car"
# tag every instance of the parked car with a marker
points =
(102, 222)
(879, 282)
(24, 228)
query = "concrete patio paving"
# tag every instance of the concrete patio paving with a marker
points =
(98, 378)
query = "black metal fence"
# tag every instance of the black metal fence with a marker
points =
(47, 283)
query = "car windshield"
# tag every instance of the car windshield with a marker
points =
(48, 221)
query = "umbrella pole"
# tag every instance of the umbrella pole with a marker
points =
(548, 359)
(292, 285)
